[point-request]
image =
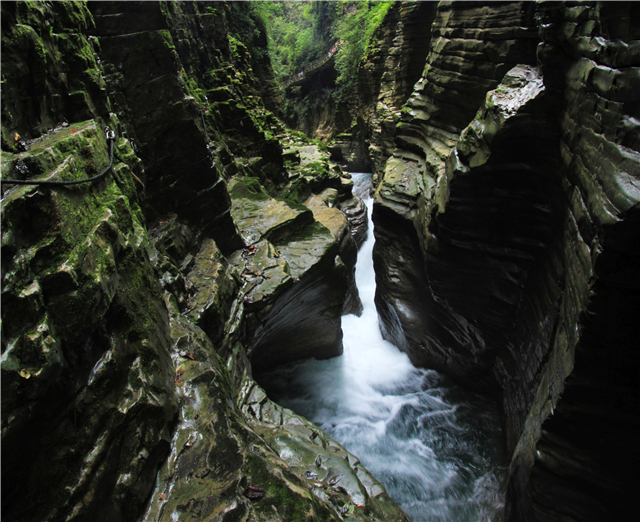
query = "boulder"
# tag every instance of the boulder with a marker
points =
(325, 212)
(261, 217)
(304, 320)
(299, 275)
(356, 213)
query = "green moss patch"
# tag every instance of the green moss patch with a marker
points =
(248, 188)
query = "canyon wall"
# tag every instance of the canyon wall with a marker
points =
(135, 306)
(393, 62)
(507, 239)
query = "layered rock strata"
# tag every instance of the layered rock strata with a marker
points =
(235, 454)
(393, 63)
(576, 449)
(415, 184)
(300, 262)
(512, 204)
(166, 119)
(88, 400)
(389, 71)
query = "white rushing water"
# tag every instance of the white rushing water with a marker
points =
(434, 446)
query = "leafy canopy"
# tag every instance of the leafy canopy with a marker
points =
(300, 32)
(356, 28)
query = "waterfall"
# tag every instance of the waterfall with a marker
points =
(434, 446)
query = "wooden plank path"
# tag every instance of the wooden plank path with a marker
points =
(316, 64)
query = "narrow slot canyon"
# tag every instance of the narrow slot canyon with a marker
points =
(436, 447)
(320, 261)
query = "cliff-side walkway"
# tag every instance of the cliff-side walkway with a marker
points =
(328, 55)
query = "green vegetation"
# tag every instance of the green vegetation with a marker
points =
(356, 29)
(247, 26)
(300, 32)
(248, 188)
(297, 32)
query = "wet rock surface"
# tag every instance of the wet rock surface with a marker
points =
(165, 116)
(134, 307)
(388, 74)
(330, 472)
(311, 262)
(356, 212)
(87, 383)
(212, 291)
(505, 219)
(126, 302)
(237, 454)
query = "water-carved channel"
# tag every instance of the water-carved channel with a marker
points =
(435, 446)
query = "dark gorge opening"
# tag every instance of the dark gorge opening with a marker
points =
(435, 446)
(473, 357)
(587, 448)
(499, 266)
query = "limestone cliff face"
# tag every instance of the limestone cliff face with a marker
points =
(157, 87)
(389, 71)
(312, 109)
(53, 70)
(585, 456)
(393, 63)
(516, 192)
(415, 184)
(134, 305)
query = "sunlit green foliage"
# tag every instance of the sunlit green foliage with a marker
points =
(355, 27)
(297, 32)
(300, 32)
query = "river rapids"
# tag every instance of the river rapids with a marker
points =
(435, 446)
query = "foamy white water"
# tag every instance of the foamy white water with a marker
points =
(434, 446)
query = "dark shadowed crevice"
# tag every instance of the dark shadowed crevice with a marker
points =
(587, 460)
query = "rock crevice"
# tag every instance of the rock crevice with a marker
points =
(508, 189)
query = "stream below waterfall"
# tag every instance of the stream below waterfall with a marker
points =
(435, 446)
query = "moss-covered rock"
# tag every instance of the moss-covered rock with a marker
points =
(328, 471)
(165, 112)
(87, 384)
(261, 217)
(55, 75)
(237, 455)
(211, 290)
(265, 275)
(311, 172)
(108, 388)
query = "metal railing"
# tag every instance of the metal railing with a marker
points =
(316, 64)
